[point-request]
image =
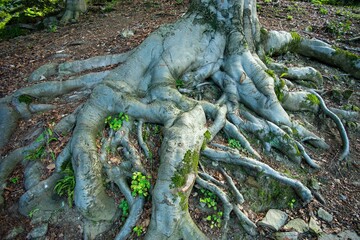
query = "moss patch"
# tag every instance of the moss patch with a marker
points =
(270, 72)
(278, 88)
(189, 164)
(311, 100)
(207, 137)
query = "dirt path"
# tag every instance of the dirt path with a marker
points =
(100, 33)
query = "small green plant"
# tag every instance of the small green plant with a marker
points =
(52, 28)
(31, 213)
(350, 107)
(215, 219)
(179, 83)
(14, 180)
(36, 154)
(124, 206)
(267, 1)
(117, 122)
(270, 72)
(140, 185)
(42, 151)
(209, 199)
(268, 59)
(25, 99)
(110, 6)
(66, 185)
(233, 143)
(338, 28)
(179, 1)
(291, 203)
(138, 230)
(323, 11)
(289, 17)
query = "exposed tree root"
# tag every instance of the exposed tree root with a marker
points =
(343, 134)
(217, 44)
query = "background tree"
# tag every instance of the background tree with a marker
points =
(73, 10)
(216, 42)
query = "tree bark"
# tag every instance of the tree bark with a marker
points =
(73, 10)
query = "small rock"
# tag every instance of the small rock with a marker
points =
(274, 219)
(298, 225)
(286, 235)
(315, 184)
(356, 183)
(325, 215)
(127, 33)
(343, 197)
(313, 225)
(38, 232)
(14, 233)
(347, 234)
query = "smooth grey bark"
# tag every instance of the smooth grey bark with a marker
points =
(217, 42)
(73, 10)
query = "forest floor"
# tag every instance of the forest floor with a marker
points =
(99, 33)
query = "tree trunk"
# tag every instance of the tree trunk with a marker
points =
(216, 42)
(73, 10)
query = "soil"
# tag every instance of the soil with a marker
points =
(99, 33)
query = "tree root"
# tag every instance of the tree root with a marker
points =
(336, 119)
(236, 159)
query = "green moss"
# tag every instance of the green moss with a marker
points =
(296, 39)
(344, 55)
(271, 194)
(183, 201)
(295, 132)
(278, 88)
(270, 72)
(312, 99)
(298, 153)
(189, 164)
(207, 137)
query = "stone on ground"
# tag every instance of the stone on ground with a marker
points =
(347, 234)
(286, 235)
(324, 215)
(274, 219)
(314, 226)
(298, 225)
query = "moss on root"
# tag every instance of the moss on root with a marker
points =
(207, 137)
(296, 39)
(188, 165)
